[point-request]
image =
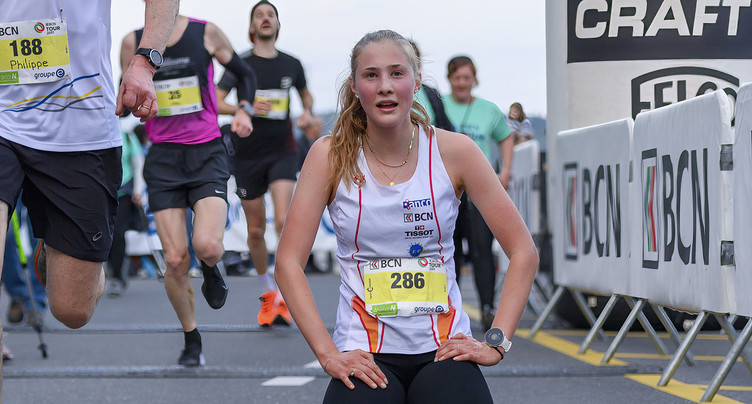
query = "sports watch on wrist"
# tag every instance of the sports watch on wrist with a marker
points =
(152, 55)
(248, 108)
(496, 338)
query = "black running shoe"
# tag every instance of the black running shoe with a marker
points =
(191, 356)
(214, 287)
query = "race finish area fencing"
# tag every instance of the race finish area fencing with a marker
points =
(657, 212)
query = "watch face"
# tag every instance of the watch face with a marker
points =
(155, 57)
(494, 336)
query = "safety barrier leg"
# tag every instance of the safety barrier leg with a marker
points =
(623, 331)
(673, 364)
(654, 338)
(728, 362)
(598, 323)
(669, 326)
(728, 328)
(547, 311)
(585, 309)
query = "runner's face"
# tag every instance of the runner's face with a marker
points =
(264, 24)
(462, 82)
(385, 83)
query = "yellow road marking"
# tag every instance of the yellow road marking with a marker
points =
(569, 348)
(691, 392)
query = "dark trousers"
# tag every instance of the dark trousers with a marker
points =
(471, 226)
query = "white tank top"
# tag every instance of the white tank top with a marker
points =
(412, 219)
(76, 112)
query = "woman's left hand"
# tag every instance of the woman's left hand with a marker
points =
(463, 348)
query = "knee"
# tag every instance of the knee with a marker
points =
(278, 223)
(256, 234)
(71, 317)
(176, 259)
(208, 250)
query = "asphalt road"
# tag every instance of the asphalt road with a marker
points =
(128, 354)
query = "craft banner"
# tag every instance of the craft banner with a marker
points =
(680, 206)
(524, 188)
(742, 152)
(591, 239)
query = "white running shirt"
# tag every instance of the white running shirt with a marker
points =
(76, 112)
(412, 219)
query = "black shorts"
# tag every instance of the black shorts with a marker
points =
(254, 176)
(178, 175)
(416, 379)
(71, 196)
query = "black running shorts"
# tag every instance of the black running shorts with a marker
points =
(254, 176)
(71, 196)
(178, 175)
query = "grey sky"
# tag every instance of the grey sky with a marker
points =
(506, 40)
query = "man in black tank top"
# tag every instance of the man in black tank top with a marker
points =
(267, 159)
(187, 166)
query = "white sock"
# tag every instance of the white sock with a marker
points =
(268, 282)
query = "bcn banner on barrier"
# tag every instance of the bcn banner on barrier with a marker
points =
(680, 206)
(524, 188)
(591, 239)
(742, 153)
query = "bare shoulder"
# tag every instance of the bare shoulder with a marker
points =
(454, 146)
(317, 159)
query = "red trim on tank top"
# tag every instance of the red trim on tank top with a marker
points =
(433, 199)
(357, 229)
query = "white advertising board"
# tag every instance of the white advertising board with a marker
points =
(743, 203)
(524, 188)
(591, 239)
(681, 205)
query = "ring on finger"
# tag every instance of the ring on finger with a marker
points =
(352, 373)
(144, 107)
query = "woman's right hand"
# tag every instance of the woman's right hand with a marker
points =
(357, 363)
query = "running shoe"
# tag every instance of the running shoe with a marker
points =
(7, 354)
(192, 356)
(283, 315)
(15, 311)
(214, 287)
(273, 310)
(40, 262)
(116, 287)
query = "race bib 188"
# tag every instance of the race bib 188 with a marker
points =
(34, 51)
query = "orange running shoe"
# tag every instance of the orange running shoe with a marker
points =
(267, 313)
(273, 310)
(283, 315)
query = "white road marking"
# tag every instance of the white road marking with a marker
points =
(288, 381)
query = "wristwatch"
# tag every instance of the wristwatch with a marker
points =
(248, 108)
(496, 338)
(152, 55)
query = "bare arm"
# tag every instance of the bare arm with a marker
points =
(506, 151)
(219, 46)
(306, 118)
(137, 88)
(222, 106)
(471, 172)
(308, 203)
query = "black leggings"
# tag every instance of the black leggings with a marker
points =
(416, 379)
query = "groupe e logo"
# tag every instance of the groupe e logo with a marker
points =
(662, 87)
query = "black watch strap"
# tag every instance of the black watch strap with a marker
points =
(497, 350)
(152, 55)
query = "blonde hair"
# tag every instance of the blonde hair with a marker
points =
(347, 136)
